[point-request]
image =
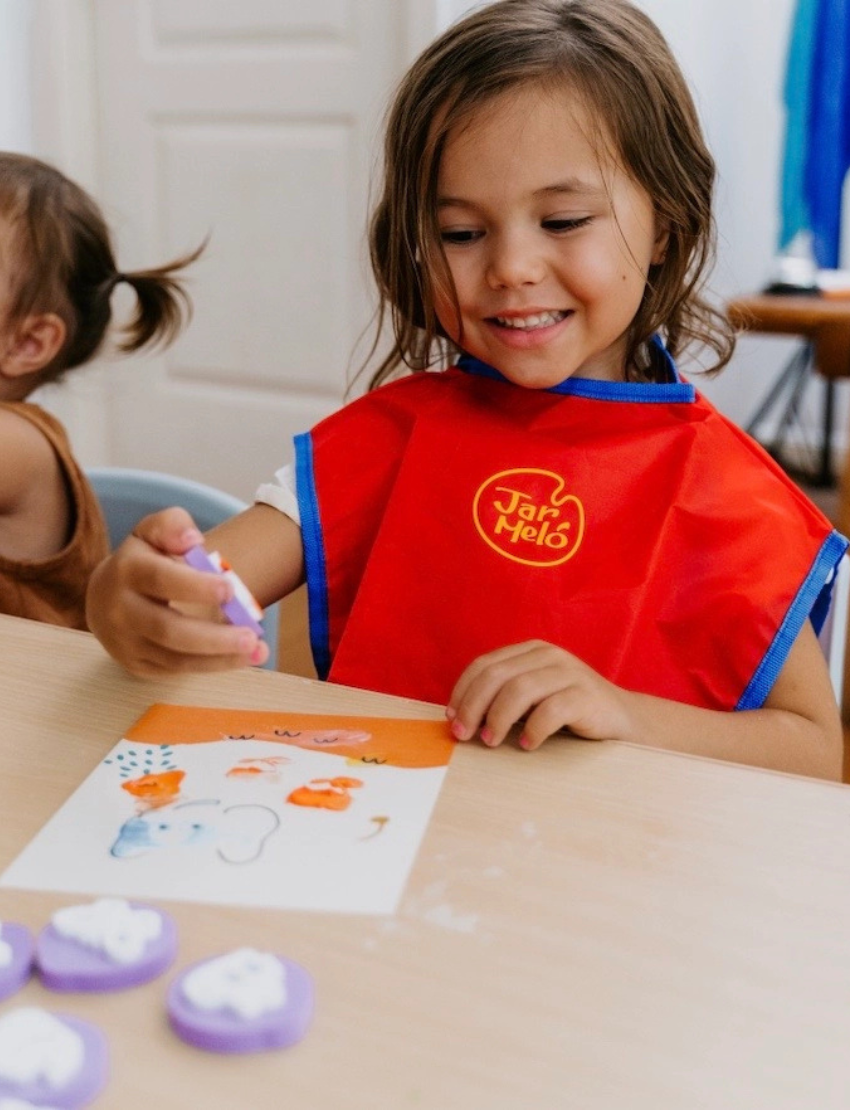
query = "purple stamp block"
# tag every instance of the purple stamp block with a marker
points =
(16, 957)
(49, 1059)
(107, 945)
(242, 609)
(245, 1001)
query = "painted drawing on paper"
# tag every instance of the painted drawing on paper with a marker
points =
(247, 807)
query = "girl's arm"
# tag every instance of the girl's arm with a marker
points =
(156, 615)
(35, 509)
(798, 730)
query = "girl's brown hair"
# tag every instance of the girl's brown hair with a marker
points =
(615, 59)
(62, 261)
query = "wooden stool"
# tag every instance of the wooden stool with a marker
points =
(824, 324)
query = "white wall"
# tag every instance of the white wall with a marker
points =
(15, 89)
(65, 81)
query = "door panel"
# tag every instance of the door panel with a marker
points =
(280, 262)
(253, 124)
(261, 22)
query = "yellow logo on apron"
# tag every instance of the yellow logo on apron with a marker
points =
(525, 515)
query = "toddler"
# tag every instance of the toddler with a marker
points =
(57, 274)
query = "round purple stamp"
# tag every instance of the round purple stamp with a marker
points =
(106, 945)
(49, 1059)
(244, 1001)
(16, 957)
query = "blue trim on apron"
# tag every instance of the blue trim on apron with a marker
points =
(812, 599)
(594, 389)
(315, 569)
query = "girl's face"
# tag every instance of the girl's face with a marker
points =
(547, 238)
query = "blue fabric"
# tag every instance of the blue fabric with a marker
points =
(829, 152)
(817, 145)
(313, 542)
(797, 97)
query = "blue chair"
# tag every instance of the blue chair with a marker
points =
(126, 495)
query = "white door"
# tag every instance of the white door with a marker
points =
(255, 123)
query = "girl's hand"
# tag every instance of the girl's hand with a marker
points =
(156, 615)
(544, 684)
(798, 729)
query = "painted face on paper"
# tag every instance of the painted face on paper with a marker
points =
(548, 240)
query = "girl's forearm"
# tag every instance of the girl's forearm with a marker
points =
(778, 739)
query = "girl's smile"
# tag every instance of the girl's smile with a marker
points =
(530, 328)
(548, 240)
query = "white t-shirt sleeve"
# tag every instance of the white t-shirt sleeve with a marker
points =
(280, 493)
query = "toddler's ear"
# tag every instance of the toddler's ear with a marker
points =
(34, 344)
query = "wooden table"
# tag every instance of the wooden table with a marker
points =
(590, 926)
(824, 323)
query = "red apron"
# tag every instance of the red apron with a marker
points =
(449, 514)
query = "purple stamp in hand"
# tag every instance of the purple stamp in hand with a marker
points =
(242, 609)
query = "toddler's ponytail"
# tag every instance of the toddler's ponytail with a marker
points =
(163, 307)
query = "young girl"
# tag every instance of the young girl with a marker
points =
(57, 274)
(556, 530)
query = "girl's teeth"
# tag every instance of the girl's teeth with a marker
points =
(539, 320)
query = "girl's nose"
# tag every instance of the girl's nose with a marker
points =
(513, 261)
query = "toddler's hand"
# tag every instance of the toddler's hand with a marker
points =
(155, 614)
(544, 684)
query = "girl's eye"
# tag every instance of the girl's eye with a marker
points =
(566, 224)
(460, 235)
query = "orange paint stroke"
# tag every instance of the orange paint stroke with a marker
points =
(359, 747)
(318, 738)
(325, 793)
(265, 766)
(380, 823)
(408, 742)
(157, 789)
